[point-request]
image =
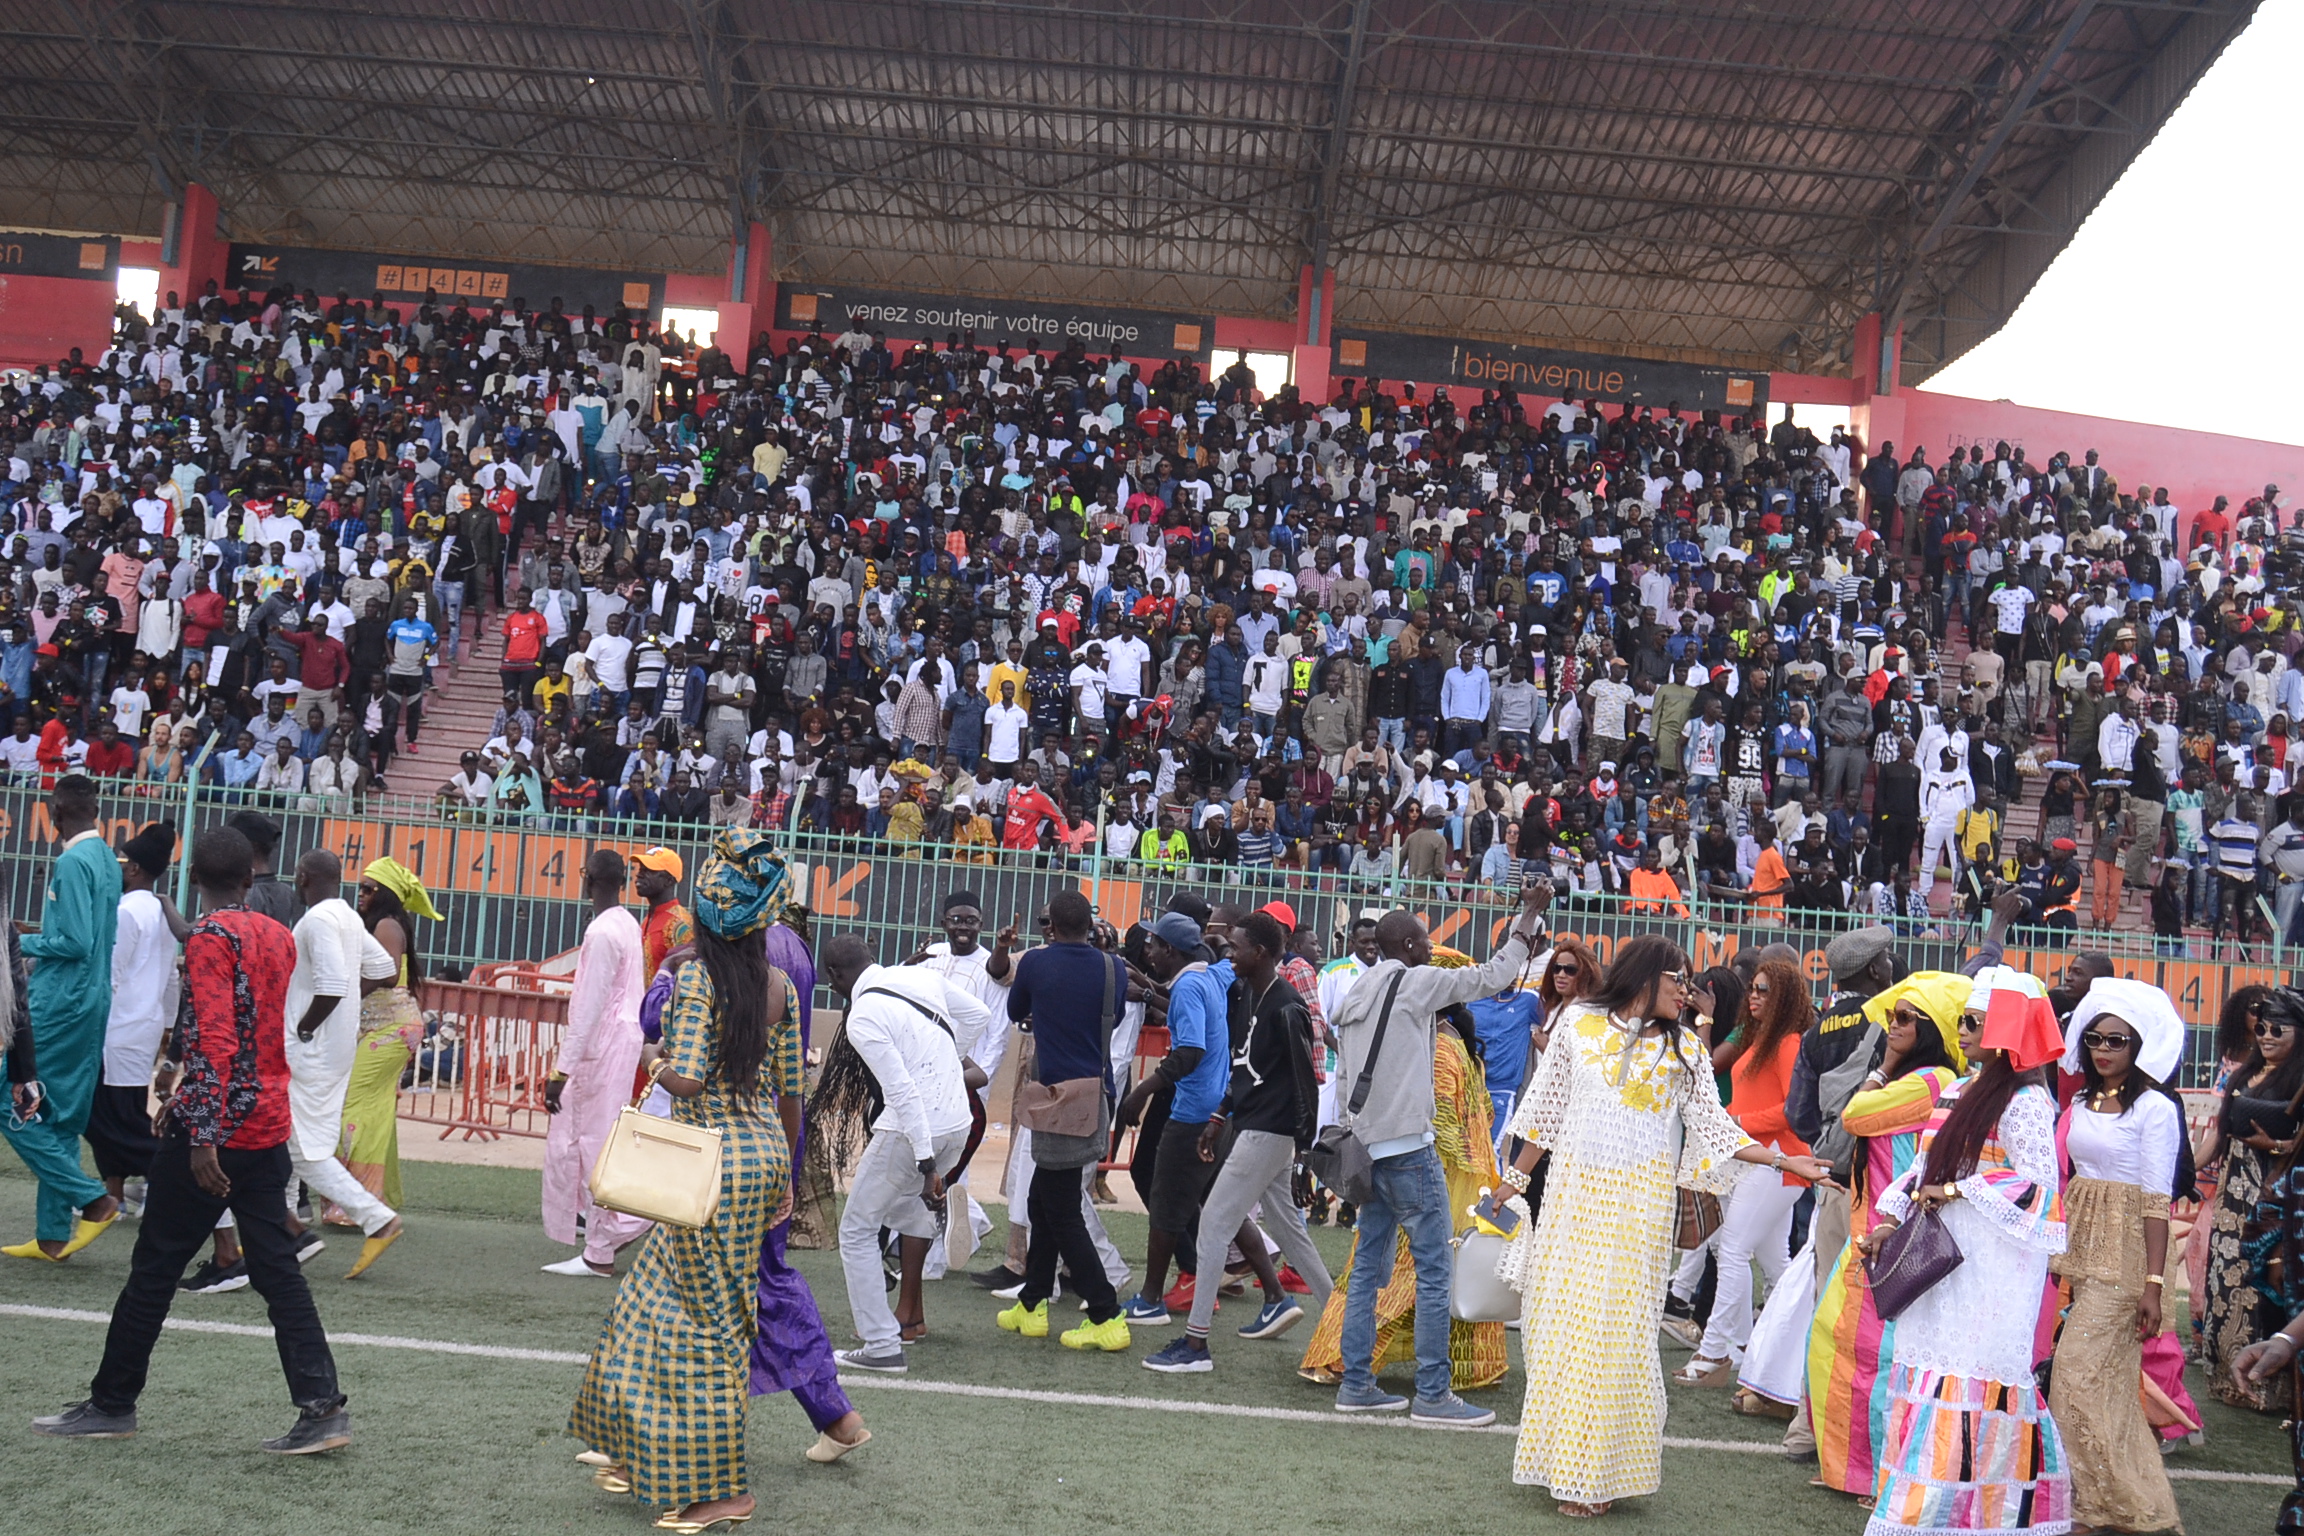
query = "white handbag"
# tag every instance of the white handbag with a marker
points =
(1478, 1293)
(663, 1170)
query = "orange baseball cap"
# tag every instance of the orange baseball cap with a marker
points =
(1281, 913)
(660, 858)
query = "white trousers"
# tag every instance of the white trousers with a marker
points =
(331, 1180)
(885, 1192)
(1937, 840)
(1755, 1223)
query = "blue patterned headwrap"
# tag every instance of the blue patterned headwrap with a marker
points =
(741, 887)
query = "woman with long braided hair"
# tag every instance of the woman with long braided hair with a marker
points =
(663, 1397)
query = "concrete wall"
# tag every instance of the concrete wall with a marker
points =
(2196, 467)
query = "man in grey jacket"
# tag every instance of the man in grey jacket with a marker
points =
(1395, 1124)
(1846, 720)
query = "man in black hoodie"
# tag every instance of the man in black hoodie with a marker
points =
(1266, 1119)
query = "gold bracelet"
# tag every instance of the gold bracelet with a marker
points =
(1514, 1177)
(2158, 1280)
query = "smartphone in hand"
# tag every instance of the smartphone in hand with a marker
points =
(1492, 1209)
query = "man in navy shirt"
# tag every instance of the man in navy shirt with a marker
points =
(1058, 998)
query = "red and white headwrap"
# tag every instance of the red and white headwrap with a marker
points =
(2018, 1018)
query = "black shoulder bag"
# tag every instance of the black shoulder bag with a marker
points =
(1339, 1159)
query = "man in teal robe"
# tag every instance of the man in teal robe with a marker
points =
(70, 993)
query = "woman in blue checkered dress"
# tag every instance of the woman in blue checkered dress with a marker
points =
(664, 1393)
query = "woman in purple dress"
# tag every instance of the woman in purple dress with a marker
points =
(791, 1353)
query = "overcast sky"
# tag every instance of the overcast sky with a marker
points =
(2176, 302)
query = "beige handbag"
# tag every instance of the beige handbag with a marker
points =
(660, 1169)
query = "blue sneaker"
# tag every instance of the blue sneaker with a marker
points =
(1180, 1358)
(1350, 1399)
(1276, 1319)
(1145, 1310)
(1450, 1412)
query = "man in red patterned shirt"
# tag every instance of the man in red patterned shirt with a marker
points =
(224, 1124)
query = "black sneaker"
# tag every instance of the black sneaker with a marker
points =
(996, 1279)
(1347, 1214)
(212, 1277)
(314, 1433)
(86, 1421)
(309, 1244)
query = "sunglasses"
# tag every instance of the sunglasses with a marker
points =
(2265, 1030)
(1677, 978)
(2097, 1040)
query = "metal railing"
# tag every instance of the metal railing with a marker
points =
(510, 891)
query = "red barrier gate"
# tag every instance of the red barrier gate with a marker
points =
(487, 1054)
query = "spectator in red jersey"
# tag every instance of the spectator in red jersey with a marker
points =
(1029, 809)
(108, 755)
(524, 631)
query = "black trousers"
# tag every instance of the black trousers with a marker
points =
(1059, 1230)
(178, 1217)
(119, 1132)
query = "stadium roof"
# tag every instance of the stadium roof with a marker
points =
(1708, 180)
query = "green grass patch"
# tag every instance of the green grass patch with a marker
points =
(457, 1444)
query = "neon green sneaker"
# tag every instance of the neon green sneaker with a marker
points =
(1111, 1335)
(1031, 1322)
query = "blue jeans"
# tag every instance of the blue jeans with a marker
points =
(451, 595)
(1392, 733)
(1411, 1196)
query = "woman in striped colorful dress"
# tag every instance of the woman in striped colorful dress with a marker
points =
(1848, 1341)
(1971, 1445)
(664, 1393)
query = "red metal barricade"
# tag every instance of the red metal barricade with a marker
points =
(487, 1053)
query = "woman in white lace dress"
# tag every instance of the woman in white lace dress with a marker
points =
(1625, 1104)
(1971, 1445)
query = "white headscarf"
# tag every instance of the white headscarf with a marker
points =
(2159, 1028)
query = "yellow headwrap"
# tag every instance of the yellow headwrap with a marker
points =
(401, 881)
(1940, 995)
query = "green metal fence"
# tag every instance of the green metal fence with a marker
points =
(511, 890)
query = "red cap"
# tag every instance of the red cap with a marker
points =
(1281, 913)
(49, 650)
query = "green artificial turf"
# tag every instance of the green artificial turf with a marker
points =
(453, 1444)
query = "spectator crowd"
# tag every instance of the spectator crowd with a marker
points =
(961, 599)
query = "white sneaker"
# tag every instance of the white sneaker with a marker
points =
(578, 1268)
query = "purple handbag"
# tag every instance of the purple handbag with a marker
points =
(1909, 1261)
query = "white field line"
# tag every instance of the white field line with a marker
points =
(1008, 1394)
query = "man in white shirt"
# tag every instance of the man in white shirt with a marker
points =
(611, 658)
(20, 750)
(1127, 663)
(900, 1044)
(144, 993)
(1091, 690)
(1006, 725)
(592, 1078)
(337, 961)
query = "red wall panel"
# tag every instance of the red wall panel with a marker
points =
(43, 318)
(2197, 467)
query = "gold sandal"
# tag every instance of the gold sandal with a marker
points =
(611, 1479)
(671, 1520)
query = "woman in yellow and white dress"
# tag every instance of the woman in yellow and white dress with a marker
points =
(1626, 1106)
